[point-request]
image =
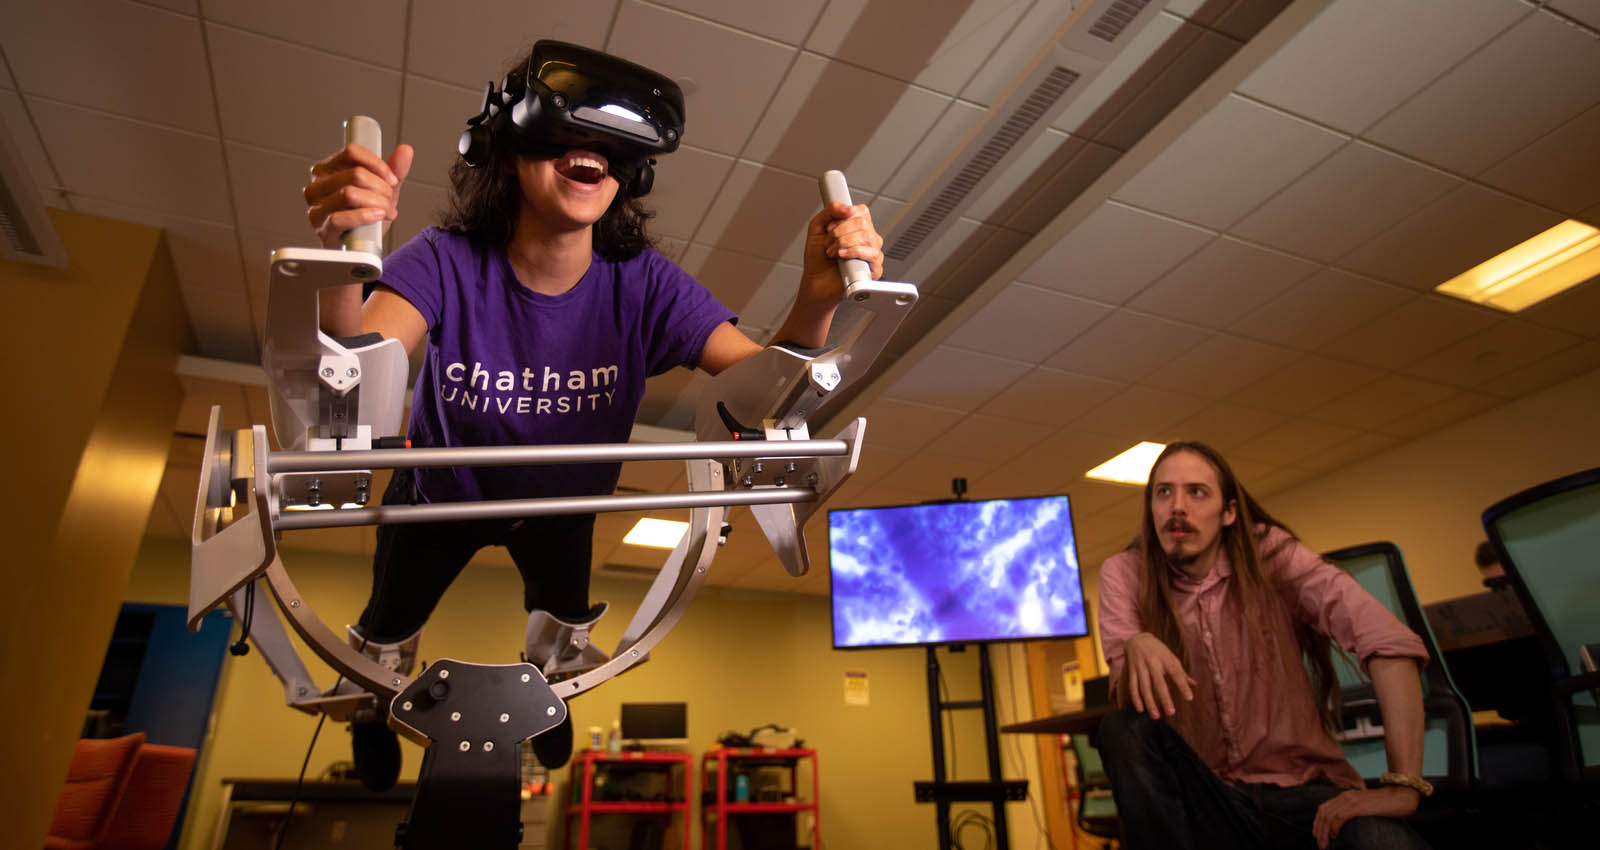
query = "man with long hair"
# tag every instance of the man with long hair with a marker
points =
(1217, 623)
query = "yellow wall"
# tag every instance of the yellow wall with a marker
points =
(740, 659)
(91, 351)
(1428, 495)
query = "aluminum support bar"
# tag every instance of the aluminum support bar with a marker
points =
(517, 508)
(279, 462)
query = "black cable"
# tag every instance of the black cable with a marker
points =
(241, 646)
(300, 782)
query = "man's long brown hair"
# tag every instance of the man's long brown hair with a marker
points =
(1252, 588)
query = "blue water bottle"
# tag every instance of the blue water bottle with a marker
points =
(741, 788)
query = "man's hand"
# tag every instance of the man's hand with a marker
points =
(1390, 801)
(1148, 664)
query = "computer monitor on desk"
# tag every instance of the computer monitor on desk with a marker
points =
(655, 725)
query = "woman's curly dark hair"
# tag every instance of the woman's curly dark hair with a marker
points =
(486, 201)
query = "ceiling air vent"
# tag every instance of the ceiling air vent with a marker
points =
(1116, 19)
(25, 231)
(1016, 127)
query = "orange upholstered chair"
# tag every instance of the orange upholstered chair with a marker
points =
(99, 772)
(121, 794)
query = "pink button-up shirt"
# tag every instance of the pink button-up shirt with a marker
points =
(1254, 719)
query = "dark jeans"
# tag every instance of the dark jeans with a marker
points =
(1168, 798)
(414, 564)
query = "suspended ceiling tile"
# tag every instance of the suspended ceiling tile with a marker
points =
(1375, 405)
(1022, 476)
(1349, 198)
(1222, 282)
(649, 476)
(1318, 310)
(786, 22)
(1295, 441)
(1403, 47)
(770, 305)
(1525, 83)
(1228, 163)
(431, 120)
(829, 115)
(1449, 236)
(760, 211)
(938, 45)
(1025, 322)
(1410, 332)
(1560, 170)
(1457, 408)
(929, 312)
(1151, 98)
(319, 89)
(266, 190)
(997, 198)
(1114, 253)
(1082, 163)
(904, 426)
(64, 50)
(956, 379)
(1127, 73)
(1575, 311)
(1226, 425)
(1547, 372)
(1104, 351)
(976, 259)
(732, 277)
(1051, 397)
(382, 25)
(492, 34)
(931, 154)
(1491, 352)
(137, 171)
(1586, 12)
(1278, 480)
(928, 475)
(1089, 498)
(723, 108)
(685, 184)
(1354, 450)
(940, 258)
(1139, 413)
(1220, 366)
(990, 440)
(999, 71)
(1308, 382)
(26, 145)
(877, 464)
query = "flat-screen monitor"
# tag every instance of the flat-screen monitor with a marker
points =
(955, 572)
(654, 724)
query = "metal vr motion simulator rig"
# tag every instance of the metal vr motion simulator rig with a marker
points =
(336, 406)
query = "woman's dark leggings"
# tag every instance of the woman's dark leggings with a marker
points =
(415, 563)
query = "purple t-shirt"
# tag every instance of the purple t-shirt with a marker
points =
(505, 365)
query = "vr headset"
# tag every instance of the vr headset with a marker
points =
(573, 97)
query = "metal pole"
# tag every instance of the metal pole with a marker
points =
(293, 520)
(991, 739)
(941, 808)
(535, 455)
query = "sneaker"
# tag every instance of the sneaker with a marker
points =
(554, 746)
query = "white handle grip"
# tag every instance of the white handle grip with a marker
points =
(835, 188)
(365, 132)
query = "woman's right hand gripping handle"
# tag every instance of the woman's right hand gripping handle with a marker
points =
(352, 187)
(1147, 665)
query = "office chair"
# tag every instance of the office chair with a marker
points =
(1097, 811)
(121, 794)
(1449, 747)
(1548, 540)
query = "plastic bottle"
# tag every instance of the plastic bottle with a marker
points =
(741, 788)
(614, 744)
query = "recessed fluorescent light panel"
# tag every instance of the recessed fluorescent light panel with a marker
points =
(656, 533)
(1130, 467)
(1554, 261)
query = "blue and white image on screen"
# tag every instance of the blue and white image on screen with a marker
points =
(954, 572)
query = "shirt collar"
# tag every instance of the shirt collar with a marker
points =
(1221, 570)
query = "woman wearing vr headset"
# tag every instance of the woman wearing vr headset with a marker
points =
(544, 308)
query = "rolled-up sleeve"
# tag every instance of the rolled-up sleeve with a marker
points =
(1119, 608)
(1329, 600)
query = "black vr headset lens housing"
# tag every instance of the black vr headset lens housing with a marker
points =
(573, 97)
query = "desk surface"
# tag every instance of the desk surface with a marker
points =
(1081, 722)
